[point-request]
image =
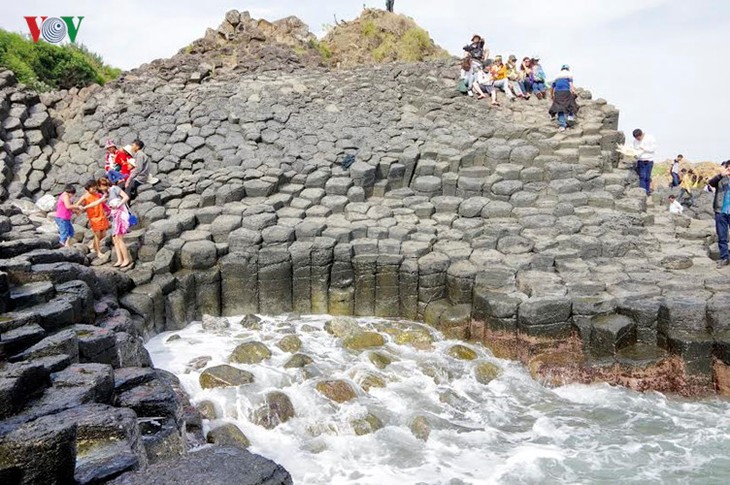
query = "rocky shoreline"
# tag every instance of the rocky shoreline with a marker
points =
(485, 223)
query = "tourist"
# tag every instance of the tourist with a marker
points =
(110, 163)
(476, 50)
(645, 146)
(563, 94)
(467, 75)
(674, 170)
(96, 211)
(537, 78)
(389, 5)
(117, 201)
(674, 206)
(526, 75)
(498, 74)
(515, 77)
(65, 209)
(141, 171)
(721, 206)
(483, 86)
(125, 158)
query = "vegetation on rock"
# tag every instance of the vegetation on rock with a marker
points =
(44, 66)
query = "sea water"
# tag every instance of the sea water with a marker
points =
(511, 430)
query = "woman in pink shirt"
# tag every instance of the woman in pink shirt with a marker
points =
(64, 211)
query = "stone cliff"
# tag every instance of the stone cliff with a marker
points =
(486, 223)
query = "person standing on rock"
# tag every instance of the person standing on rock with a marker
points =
(64, 212)
(674, 170)
(645, 146)
(721, 205)
(141, 171)
(389, 5)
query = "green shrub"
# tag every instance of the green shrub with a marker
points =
(44, 66)
(368, 28)
(414, 45)
(322, 48)
(386, 50)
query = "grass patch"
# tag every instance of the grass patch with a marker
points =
(322, 48)
(44, 66)
(368, 28)
(414, 44)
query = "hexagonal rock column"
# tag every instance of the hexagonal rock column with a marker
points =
(275, 281)
(239, 282)
(431, 279)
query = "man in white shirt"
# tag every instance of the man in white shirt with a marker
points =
(645, 145)
(674, 206)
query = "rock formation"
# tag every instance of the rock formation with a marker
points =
(483, 222)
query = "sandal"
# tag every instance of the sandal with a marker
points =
(127, 266)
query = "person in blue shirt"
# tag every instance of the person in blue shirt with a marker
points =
(563, 94)
(537, 78)
(721, 205)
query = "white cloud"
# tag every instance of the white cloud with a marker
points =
(654, 59)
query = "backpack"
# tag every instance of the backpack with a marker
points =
(462, 87)
(347, 161)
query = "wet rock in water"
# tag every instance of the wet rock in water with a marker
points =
(215, 324)
(290, 343)
(224, 376)
(250, 353)
(461, 352)
(439, 374)
(228, 434)
(486, 372)
(277, 409)
(308, 328)
(336, 390)
(172, 338)
(369, 424)
(420, 428)
(379, 359)
(251, 321)
(215, 465)
(342, 326)
(298, 361)
(419, 339)
(363, 340)
(207, 409)
(369, 380)
(197, 363)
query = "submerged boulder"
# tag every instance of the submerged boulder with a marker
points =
(250, 353)
(224, 376)
(363, 340)
(379, 359)
(420, 339)
(461, 352)
(277, 409)
(420, 428)
(366, 425)
(336, 390)
(486, 372)
(298, 361)
(215, 324)
(342, 326)
(290, 343)
(228, 434)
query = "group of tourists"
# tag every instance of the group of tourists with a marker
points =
(106, 201)
(483, 77)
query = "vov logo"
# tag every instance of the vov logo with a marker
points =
(53, 29)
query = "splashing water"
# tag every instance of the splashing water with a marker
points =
(511, 430)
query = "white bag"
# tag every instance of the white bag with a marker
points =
(46, 203)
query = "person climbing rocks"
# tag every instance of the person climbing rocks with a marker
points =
(674, 206)
(674, 170)
(563, 95)
(721, 206)
(389, 5)
(141, 171)
(65, 209)
(645, 146)
(97, 214)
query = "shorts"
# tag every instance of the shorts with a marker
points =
(99, 225)
(65, 229)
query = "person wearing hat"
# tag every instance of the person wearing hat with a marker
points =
(498, 73)
(537, 78)
(125, 160)
(476, 50)
(110, 155)
(563, 94)
(721, 206)
(514, 77)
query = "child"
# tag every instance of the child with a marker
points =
(110, 163)
(96, 213)
(117, 200)
(674, 206)
(64, 211)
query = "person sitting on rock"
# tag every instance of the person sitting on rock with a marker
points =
(674, 206)
(110, 163)
(537, 78)
(141, 170)
(526, 75)
(563, 94)
(483, 86)
(476, 50)
(498, 74)
(122, 165)
(721, 206)
(515, 78)
(467, 75)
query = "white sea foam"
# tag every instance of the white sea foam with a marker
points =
(511, 431)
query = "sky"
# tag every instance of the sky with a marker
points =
(661, 62)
